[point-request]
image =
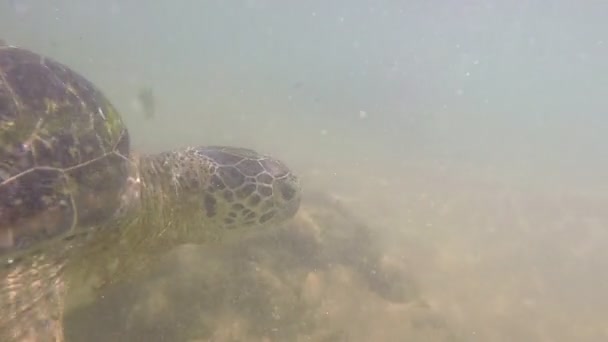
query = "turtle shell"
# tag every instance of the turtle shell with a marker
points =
(63, 151)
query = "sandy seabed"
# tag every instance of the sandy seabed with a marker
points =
(423, 252)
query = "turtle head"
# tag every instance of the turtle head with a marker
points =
(245, 188)
(228, 187)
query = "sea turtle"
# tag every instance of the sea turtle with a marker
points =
(72, 192)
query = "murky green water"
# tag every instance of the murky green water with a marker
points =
(452, 156)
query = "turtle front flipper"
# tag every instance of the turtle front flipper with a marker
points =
(32, 302)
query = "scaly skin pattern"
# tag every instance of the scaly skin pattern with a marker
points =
(72, 198)
(196, 195)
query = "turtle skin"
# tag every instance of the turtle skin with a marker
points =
(74, 197)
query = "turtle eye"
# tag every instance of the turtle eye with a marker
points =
(288, 191)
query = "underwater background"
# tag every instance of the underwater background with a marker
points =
(453, 156)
